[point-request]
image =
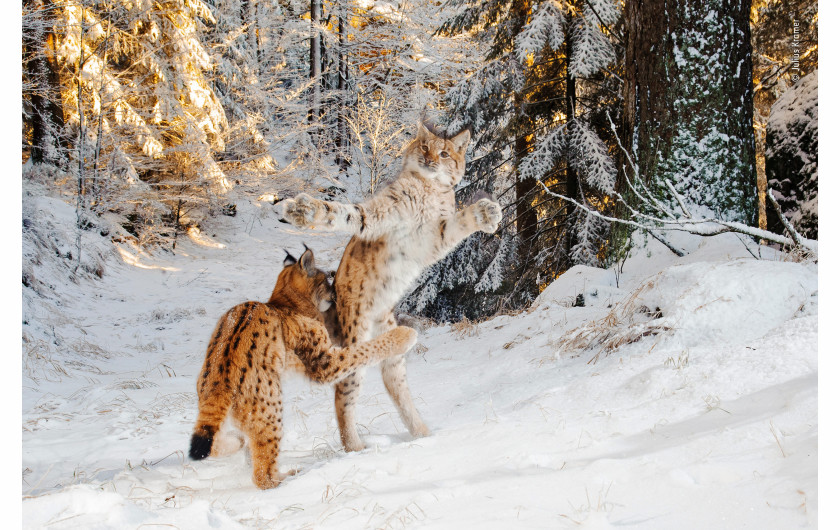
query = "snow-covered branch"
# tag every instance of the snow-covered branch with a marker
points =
(702, 227)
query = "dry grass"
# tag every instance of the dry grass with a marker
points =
(618, 327)
(798, 255)
(778, 441)
(38, 362)
(133, 384)
(465, 328)
(401, 517)
(582, 512)
(88, 349)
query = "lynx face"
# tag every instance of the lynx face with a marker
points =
(436, 158)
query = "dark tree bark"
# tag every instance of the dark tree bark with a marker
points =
(791, 158)
(45, 117)
(315, 59)
(688, 115)
(342, 139)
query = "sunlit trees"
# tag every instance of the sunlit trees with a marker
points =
(382, 71)
(245, 42)
(139, 116)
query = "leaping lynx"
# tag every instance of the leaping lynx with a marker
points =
(254, 344)
(409, 225)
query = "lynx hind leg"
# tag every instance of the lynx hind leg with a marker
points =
(394, 377)
(261, 419)
(264, 435)
(346, 394)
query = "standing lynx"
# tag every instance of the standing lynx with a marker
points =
(254, 344)
(409, 225)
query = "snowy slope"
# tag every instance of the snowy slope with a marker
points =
(696, 407)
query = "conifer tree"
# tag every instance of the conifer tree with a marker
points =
(248, 45)
(537, 108)
(136, 101)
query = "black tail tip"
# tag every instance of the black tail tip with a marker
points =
(200, 446)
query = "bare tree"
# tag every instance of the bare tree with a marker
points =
(376, 139)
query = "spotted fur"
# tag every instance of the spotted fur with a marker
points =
(251, 348)
(409, 225)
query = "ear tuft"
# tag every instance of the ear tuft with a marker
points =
(289, 259)
(422, 131)
(307, 262)
(461, 140)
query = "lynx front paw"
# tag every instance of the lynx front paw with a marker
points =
(301, 211)
(487, 215)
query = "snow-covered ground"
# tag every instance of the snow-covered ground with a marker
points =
(683, 394)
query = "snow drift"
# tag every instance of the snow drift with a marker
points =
(702, 415)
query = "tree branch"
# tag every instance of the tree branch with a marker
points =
(797, 237)
(701, 227)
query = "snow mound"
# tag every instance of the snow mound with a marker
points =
(50, 246)
(590, 282)
(704, 303)
(85, 506)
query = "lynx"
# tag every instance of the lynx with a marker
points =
(254, 344)
(411, 224)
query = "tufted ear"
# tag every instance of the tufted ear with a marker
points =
(423, 133)
(289, 260)
(307, 262)
(461, 140)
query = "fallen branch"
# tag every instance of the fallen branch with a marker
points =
(701, 227)
(801, 241)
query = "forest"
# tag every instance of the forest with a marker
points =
(156, 115)
(635, 341)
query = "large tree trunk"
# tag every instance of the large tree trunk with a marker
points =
(688, 102)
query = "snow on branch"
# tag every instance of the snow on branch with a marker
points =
(800, 241)
(591, 49)
(701, 227)
(541, 160)
(591, 158)
(545, 28)
(605, 12)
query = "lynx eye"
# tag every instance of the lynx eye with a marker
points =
(424, 148)
(444, 154)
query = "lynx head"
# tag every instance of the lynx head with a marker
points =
(437, 157)
(301, 279)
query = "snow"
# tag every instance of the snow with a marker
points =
(708, 421)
